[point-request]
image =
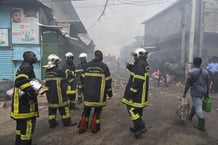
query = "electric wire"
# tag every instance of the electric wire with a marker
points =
(102, 13)
(123, 3)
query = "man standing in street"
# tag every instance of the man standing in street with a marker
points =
(70, 69)
(198, 81)
(136, 92)
(24, 103)
(97, 81)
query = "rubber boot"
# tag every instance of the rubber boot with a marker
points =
(95, 127)
(201, 124)
(83, 124)
(93, 124)
(191, 115)
(68, 122)
(53, 123)
(139, 126)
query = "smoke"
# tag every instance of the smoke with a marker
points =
(119, 24)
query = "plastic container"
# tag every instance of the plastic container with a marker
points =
(207, 104)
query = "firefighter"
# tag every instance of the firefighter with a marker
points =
(79, 70)
(70, 69)
(136, 92)
(56, 95)
(25, 104)
(97, 86)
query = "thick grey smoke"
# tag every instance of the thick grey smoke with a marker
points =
(119, 24)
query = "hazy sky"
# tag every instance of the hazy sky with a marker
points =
(121, 22)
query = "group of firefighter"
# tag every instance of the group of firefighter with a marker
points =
(90, 81)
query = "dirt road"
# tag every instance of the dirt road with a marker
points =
(164, 127)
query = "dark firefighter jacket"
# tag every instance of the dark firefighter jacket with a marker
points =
(136, 92)
(70, 75)
(97, 83)
(24, 105)
(57, 84)
(79, 71)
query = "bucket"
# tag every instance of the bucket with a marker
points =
(207, 104)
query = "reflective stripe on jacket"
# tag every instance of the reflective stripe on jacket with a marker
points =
(57, 84)
(97, 81)
(25, 104)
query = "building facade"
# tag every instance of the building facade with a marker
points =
(19, 32)
(170, 29)
(39, 26)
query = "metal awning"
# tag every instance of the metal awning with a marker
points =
(49, 26)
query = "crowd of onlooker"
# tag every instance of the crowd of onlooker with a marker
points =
(212, 68)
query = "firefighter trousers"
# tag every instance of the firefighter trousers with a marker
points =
(65, 115)
(95, 124)
(97, 111)
(24, 131)
(72, 100)
(135, 114)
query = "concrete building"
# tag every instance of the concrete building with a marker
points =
(170, 30)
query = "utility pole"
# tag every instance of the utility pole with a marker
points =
(183, 29)
(201, 43)
(192, 32)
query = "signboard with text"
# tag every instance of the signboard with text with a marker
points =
(24, 25)
(25, 33)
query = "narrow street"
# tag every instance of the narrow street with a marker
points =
(164, 127)
(168, 33)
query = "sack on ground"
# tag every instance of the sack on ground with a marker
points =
(183, 108)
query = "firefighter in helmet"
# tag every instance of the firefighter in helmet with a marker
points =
(97, 86)
(79, 70)
(136, 92)
(56, 95)
(70, 69)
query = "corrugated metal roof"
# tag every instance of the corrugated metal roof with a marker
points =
(63, 10)
(159, 14)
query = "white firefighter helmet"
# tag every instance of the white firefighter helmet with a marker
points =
(83, 55)
(139, 52)
(69, 54)
(53, 59)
